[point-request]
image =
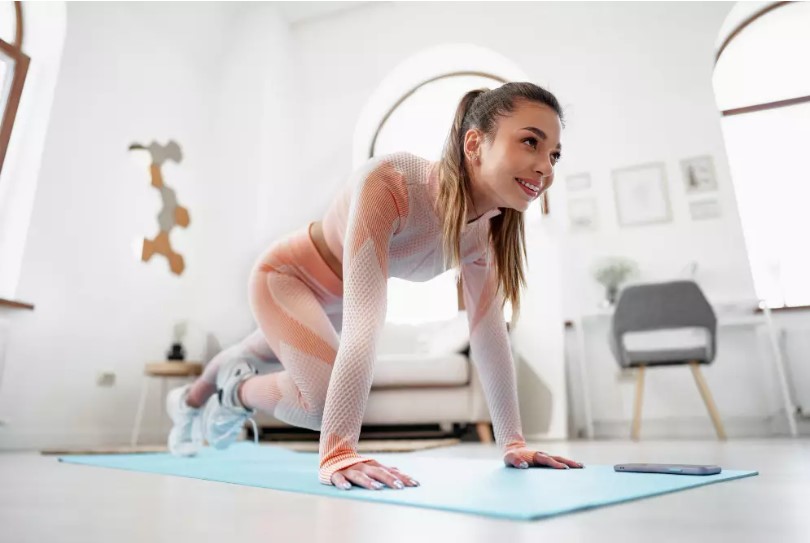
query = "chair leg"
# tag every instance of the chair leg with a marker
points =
(484, 432)
(707, 399)
(136, 429)
(634, 435)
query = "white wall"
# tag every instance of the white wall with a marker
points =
(266, 116)
(208, 76)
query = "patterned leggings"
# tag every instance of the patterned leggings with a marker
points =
(297, 301)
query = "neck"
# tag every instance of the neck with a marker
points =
(480, 202)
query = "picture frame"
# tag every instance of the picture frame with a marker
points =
(582, 214)
(699, 174)
(641, 195)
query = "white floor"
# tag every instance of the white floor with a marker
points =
(42, 500)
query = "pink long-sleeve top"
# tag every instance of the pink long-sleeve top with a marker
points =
(384, 224)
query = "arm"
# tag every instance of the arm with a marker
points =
(375, 214)
(491, 353)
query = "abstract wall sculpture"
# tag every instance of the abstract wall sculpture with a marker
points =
(171, 214)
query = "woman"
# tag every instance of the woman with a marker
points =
(399, 216)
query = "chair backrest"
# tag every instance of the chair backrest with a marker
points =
(660, 306)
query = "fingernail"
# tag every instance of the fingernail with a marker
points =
(415, 482)
(399, 484)
(524, 465)
(346, 486)
(565, 466)
(376, 484)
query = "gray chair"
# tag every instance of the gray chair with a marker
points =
(665, 306)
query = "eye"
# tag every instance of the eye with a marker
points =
(532, 140)
(556, 157)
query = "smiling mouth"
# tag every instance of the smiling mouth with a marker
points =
(529, 188)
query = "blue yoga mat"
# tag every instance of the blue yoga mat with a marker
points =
(479, 487)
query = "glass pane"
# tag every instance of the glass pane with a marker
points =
(420, 125)
(6, 78)
(8, 22)
(767, 154)
(767, 61)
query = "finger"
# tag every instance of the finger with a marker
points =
(569, 463)
(409, 481)
(543, 460)
(361, 479)
(515, 461)
(382, 474)
(340, 481)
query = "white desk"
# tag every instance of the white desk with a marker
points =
(726, 317)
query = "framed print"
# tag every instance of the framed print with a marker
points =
(698, 174)
(704, 209)
(580, 181)
(582, 214)
(641, 195)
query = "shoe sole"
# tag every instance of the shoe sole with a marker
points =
(184, 448)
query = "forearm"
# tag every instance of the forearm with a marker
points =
(492, 355)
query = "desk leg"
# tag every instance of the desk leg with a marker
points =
(162, 403)
(583, 374)
(780, 370)
(139, 414)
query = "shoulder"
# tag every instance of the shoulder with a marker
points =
(389, 176)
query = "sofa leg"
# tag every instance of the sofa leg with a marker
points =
(484, 432)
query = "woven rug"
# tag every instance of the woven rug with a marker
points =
(366, 446)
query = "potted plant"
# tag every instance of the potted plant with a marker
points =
(611, 272)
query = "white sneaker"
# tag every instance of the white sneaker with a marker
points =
(224, 415)
(185, 438)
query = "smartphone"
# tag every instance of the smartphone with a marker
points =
(674, 469)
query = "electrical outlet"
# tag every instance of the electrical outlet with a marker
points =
(105, 378)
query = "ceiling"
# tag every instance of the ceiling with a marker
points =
(296, 12)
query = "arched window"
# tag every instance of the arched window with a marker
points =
(762, 87)
(413, 111)
(13, 69)
(419, 123)
(35, 30)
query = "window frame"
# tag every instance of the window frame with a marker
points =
(21, 62)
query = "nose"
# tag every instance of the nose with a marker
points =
(546, 171)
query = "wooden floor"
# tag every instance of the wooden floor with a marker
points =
(42, 500)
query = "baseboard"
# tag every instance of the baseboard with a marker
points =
(38, 439)
(701, 428)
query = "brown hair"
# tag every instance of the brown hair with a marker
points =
(480, 109)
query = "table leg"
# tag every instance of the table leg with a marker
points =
(780, 370)
(583, 374)
(139, 414)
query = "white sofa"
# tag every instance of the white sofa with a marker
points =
(422, 376)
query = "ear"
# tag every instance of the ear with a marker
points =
(472, 142)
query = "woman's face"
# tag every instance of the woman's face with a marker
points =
(524, 151)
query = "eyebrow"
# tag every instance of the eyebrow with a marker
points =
(540, 134)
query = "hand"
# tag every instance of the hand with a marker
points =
(371, 475)
(523, 458)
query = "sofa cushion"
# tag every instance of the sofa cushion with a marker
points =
(448, 337)
(407, 370)
(430, 338)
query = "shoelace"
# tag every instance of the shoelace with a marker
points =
(255, 431)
